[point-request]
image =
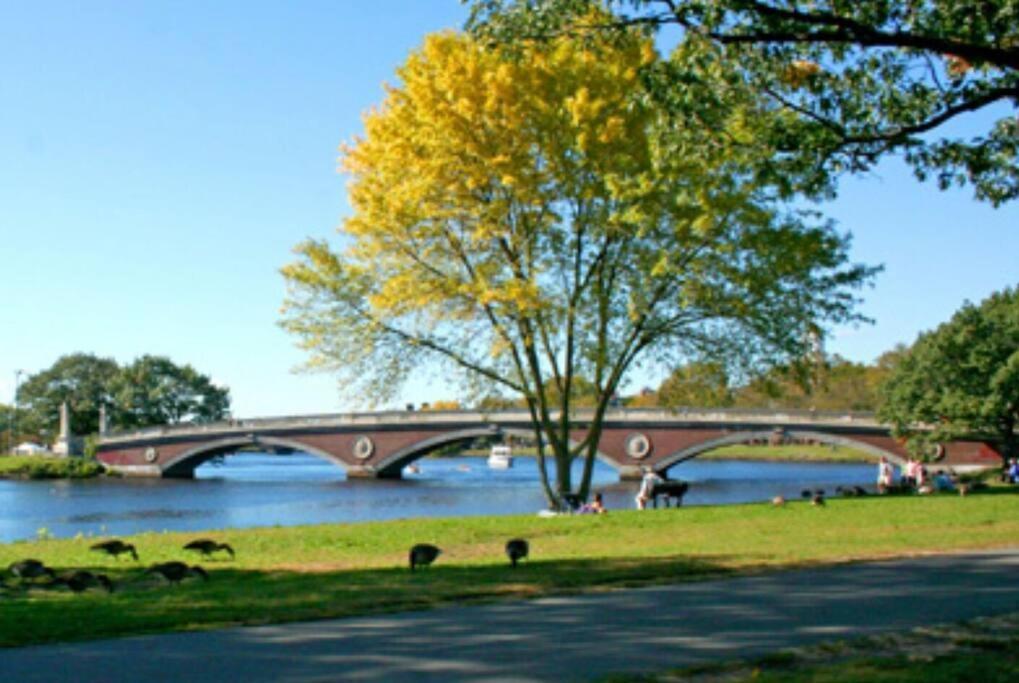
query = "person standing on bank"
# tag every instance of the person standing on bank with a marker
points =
(647, 485)
(885, 474)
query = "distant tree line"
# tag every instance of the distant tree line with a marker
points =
(820, 383)
(151, 390)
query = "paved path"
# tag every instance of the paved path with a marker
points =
(556, 639)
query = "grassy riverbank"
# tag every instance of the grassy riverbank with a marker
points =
(48, 467)
(790, 452)
(300, 573)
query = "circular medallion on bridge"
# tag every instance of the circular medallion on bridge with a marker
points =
(638, 446)
(364, 447)
(151, 454)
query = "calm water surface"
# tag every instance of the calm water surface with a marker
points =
(264, 490)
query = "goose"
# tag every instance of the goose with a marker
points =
(81, 580)
(207, 546)
(30, 569)
(115, 547)
(423, 554)
(516, 549)
(175, 572)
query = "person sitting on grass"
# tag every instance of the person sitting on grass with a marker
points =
(943, 481)
(595, 507)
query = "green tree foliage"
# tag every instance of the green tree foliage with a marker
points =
(150, 391)
(7, 435)
(858, 79)
(83, 380)
(832, 383)
(835, 384)
(961, 379)
(153, 390)
(702, 384)
(533, 223)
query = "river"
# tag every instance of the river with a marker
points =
(249, 490)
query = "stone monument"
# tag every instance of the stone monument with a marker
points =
(64, 444)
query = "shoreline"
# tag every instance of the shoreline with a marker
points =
(48, 467)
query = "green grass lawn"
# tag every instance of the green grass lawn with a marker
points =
(985, 649)
(47, 467)
(795, 452)
(311, 572)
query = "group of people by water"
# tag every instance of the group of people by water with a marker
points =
(915, 476)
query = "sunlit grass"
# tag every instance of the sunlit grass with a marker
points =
(311, 572)
(791, 452)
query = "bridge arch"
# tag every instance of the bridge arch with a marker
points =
(763, 435)
(185, 463)
(396, 461)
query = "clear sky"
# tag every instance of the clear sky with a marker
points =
(158, 161)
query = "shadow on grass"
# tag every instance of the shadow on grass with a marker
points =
(146, 604)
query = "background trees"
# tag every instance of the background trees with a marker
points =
(534, 223)
(961, 378)
(150, 391)
(820, 383)
(8, 430)
(856, 79)
(83, 380)
(153, 390)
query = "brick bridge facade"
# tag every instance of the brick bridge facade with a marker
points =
(379, 445)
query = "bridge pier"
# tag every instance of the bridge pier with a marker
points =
(370, 473)
(630, 473)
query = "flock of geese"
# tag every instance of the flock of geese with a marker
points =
(31, 573)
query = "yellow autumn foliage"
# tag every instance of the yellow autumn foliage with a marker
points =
(467, 157)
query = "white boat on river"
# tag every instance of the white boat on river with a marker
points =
(500, 457)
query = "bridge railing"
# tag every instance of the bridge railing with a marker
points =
(368, 420)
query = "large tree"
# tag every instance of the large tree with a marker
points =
(82, 380)
(150, 391)
(153, 390)
(534, 224)
(961, 379)
(859, 78)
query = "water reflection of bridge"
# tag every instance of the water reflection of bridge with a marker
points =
(379, 445)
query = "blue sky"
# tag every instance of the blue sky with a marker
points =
(160, 160)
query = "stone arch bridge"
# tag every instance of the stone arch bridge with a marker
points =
(379, 445)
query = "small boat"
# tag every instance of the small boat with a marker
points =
(412, 469)
(500, 458)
